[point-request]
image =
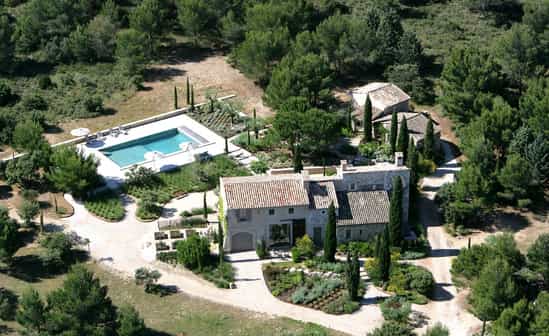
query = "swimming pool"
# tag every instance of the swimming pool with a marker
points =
(133, 152)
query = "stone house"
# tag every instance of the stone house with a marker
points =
(417, 124)
(280, 207)
(385, 97)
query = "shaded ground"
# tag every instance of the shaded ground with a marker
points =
(209, 73)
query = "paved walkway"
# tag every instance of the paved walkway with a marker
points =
(448, 305)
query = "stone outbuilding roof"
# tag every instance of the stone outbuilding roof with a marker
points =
(416, 122)
(321, 194)
(253, 192)
(363, 207)
(382, 95)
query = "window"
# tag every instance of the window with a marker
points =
(360, 233)
(352, 186)
(243, 214)
(280, 233)
(347, 234)
(290, 210)
(271, 212)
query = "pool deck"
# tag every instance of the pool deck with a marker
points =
(114, 175)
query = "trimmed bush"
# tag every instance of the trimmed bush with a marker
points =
(261, 249)
(303, 249)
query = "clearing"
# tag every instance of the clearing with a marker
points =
(209, 73)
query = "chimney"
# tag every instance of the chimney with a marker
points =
(343, 165)
(399, 159)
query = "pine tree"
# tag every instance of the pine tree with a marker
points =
(352, 275)
(403, 139)
(384, 255)
(429, 142)
(188, 92)
(393, 134)
(368, 120)
(31, 311)
(175, 105)
(330, 238)
(298, 162)
(395, 214)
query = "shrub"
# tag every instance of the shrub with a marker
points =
(59, 254)
(437, 330)
(392, 328)
(28, 210)
(318, 264)
(364, 249)
(193, 252)
(193, 221)
(8, 304)
(259, 167)
(421, 280)
(141, 177)
(261, 249)
(196, 212)
(149, 278)
(6, 94)
(341, 305)
(304, 249)
(396, 309)
(524, 203)
(106, 205)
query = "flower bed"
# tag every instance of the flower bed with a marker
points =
(309, 286)
(106, 205)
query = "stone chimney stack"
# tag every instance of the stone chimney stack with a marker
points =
(399, 159)
(344, 165)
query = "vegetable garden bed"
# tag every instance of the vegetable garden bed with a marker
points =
(325, 291)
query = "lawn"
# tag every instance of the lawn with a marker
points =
(177, 314)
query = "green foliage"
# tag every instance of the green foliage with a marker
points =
(280, 280)
(193, 252)
(6, 94)
(429, 141)
(363, 249)
(540, 323)
(393, 132)
(28, 210)
(7, 47)
(59, 254)
(9, 237)
(147, 18)
(330, 238)
(395, 212)
(71, 172)
(367, 121)
(494, 290)
(131, 53)
(383, 256)
(304, 249)
(148, 278)
(261, 249)
(305, 76)
(392, 328)
(8, 304)
(538, 256)
(106, 205)
(408, 78)
(27, 136)
(320, 288)
(24, 170)
(259, 167)
(31, 311)
(437, 330)
(470, 78)
(396, 309)
(352, 276)
(403, 139)
(130, 323)
(196, 17)
(514, 320)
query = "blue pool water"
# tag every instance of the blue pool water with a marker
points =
(133, 152)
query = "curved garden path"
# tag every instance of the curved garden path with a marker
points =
(127, 245)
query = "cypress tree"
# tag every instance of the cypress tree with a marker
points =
(226, 145)
(368, 120)
(350, 118)
(298, 162)
(192, 97)
(205, 206)
(384, 257)
(220, 241)
(211, 105)
(395, 214)
(330, 238)
(393, 133)
(249, 136)
(352, 275)
(256, 131)
(403, 139)
(175, 105)
(188, 92)
(412, 162)
(429, 142)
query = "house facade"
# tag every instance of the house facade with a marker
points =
(417, 124)
(281, 207)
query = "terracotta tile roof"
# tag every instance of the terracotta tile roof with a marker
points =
(363, 207)
(321, 194)
(416, 122)
(255, 192)
(382, 95)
